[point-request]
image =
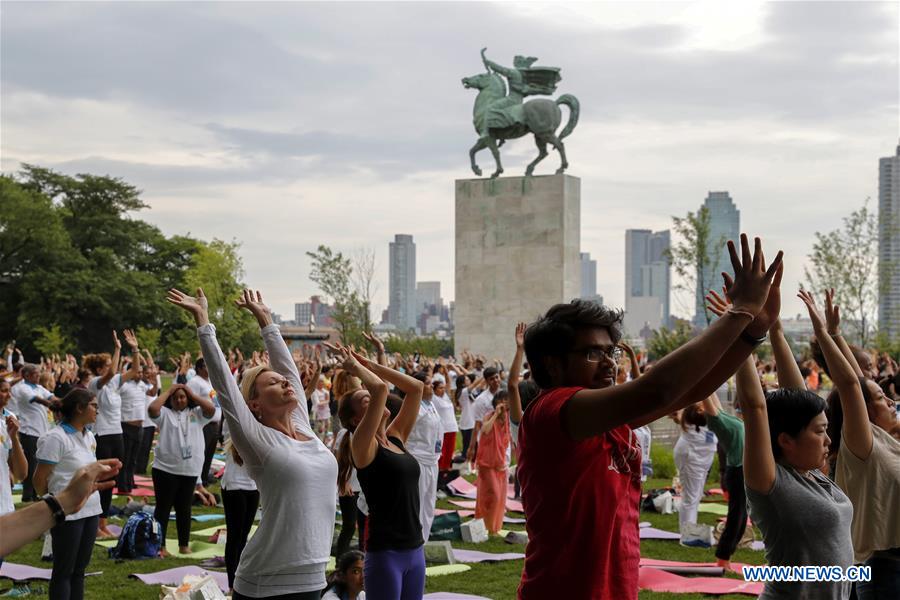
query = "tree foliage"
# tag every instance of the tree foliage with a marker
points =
(846, 259)
(666, 340)
(695, 256)
(426, 346)
(333, 273)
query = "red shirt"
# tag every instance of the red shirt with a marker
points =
(581, 507)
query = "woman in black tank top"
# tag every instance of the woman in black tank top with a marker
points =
(388, 475)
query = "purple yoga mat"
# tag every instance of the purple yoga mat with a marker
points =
(474, 556)
(652, 533)
(451, 596)
(26, 572)
(176, 576)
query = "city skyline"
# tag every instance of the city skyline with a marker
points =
(647, 280)
(329, 143)
(889, 245)
(402, 310)
(724, 226)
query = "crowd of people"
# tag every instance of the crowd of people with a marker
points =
(376, 435)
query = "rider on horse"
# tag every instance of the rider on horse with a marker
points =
(522, 81)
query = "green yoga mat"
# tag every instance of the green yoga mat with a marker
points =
(212, 530)
(201, 550)
(17, 498)
(716, 509)
(446, 570)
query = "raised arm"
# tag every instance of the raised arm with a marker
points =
(18, 464)
(591, 412)
(205, 404)
(789, 376)
(635, 369)
(512, 385)
(114, 364)
(379, 347)
(856, 431)
(833, 323)
(759, 462)
(155, 407)
(134, 372)
(363, 444)
(491, 65)
(280, 358)
(243, 425)
(403, 423)
(711, 405)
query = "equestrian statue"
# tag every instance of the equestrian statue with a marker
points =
(501, 115)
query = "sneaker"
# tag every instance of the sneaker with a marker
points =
(441, 494)
(18, 591)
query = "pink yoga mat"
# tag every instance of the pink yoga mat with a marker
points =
(451, 596)
(176, 576)
(474, 556)
(137, 492)
(26, 572)
(462, 487)
(462, 513)
(470, 504)
(514, 505)
(656, 580)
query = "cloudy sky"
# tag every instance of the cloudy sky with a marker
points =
(289, 125)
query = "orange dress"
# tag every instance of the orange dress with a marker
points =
(490, 503)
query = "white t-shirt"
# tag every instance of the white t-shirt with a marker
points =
(204, 389)
(134, 394)
(483, 405)
(354, 480)
(331, 595)
(445, 409)
(148, 422)
(68, 450)
(466, 406)
(424, 442)
(236, 476)
(320, 406)
(297, 480)
(109, 405)
(6, 499)
(179, 450)
(34, 418)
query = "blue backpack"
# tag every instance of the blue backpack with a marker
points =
(140, 538)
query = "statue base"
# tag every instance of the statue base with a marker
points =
(518, 241)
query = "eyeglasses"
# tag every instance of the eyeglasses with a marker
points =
(613, 353)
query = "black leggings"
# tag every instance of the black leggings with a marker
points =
(143, 459)
(210, 441)
(351, 519)
(177, 490)
(109, 446)
(29, 446)
(131, 438)
(736, 521)
(240, 509)
(295, 596)
(73, 542)
(466, 440)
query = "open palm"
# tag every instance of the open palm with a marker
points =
(196, 305)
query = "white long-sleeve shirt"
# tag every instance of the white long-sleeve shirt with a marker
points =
(296, 479)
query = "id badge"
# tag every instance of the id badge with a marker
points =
(437, 446)
(186, 452)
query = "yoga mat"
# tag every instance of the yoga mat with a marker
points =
(474, 556)
(656, 580)
(645, 524)
(670, 565)
(212, 530)
(716, 509)
(25, 572)
(652, 533)
(462, 513)
(463, 503)
(17, 498)
(513, 520)
(200, 550)
(137, 492)
(514, 505)
(175, 576)
(106, 543)
(462, 487)
(143, 479)
(451, 596)
(203, 518)
(445, 570)
(715, 492)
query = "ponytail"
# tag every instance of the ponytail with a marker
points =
(345, 465)
(228, 446)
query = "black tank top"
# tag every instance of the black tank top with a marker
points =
(391, 485)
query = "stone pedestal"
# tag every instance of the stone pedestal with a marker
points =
(517, 253)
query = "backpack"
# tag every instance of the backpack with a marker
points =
(140, 538)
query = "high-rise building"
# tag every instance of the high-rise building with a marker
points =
(647, 279)
(428, 297)
(588, 276)
(724, 225)
(315, 308)
(889, 245)
(402, 282)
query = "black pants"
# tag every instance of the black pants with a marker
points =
(131, 437)
(109, 446)
(210, 440)
(736, 521)
(178, 491)
(351, 519)
(466, 439)
(143, 459)
(73, 542)
(29, 446)
(240, 509)
(297, 596)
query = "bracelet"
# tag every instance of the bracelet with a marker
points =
(59, 515)
(738, 311)
(753, 341)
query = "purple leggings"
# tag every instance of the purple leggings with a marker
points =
(395, 574)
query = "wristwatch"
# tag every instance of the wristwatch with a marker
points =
(59, 515)
(753, 341)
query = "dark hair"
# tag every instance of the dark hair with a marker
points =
(790, 411)
(489, 372)
(691, 415)
(553, 335)
(528, 391)
(420, 375)
(200, 364)
(499, 397)
(95, 362)
(187, 393)
(76, 399)
(836, 415)
(344, 563)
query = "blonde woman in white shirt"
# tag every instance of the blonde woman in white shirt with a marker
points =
(60, 453)
(180, 416)
(295, 472)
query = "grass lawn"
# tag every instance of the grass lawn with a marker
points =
(492, 580)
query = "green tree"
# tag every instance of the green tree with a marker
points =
(333, 273)
(407, 344)
(846, 259)
(667, 340)
(695, 256)
(51, 340)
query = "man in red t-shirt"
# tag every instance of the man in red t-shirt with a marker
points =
(579, 461)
